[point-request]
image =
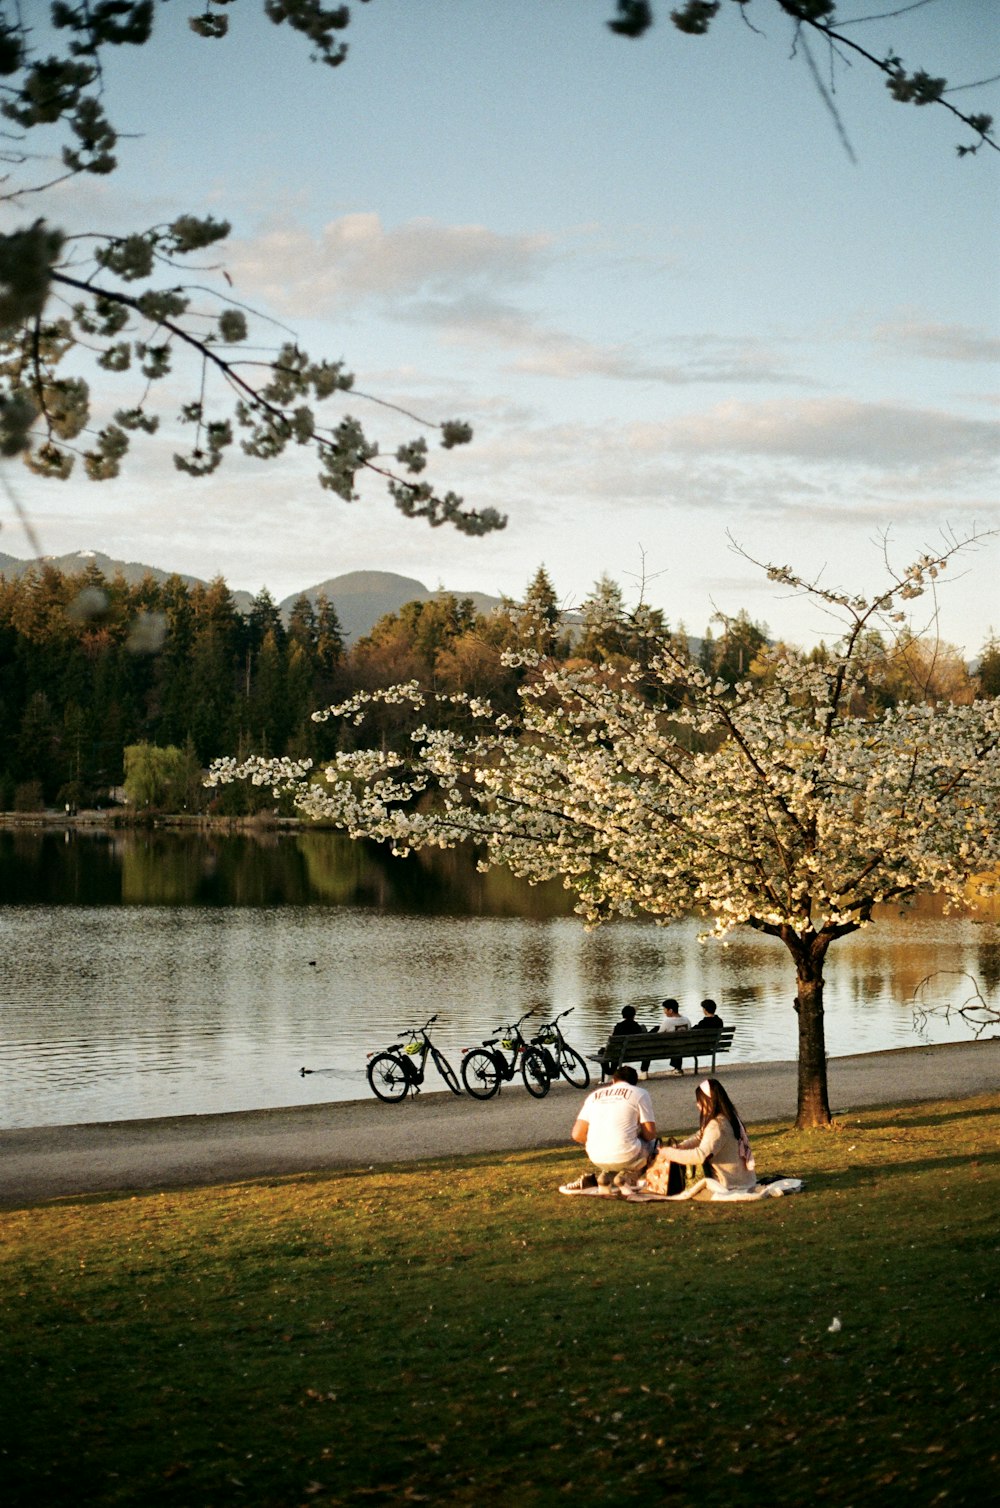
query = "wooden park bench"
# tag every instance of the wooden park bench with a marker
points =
(654, 1047)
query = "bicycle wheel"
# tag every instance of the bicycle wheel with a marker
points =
(573, 1067)
(536, 1080)
(480, 1074)
(446, 1071)
(388, 1076)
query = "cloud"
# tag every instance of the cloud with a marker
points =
(482, 321)
(357, 258)
(938, 342)
(454, 280)
(841, 431)
(819, 467)
(564, 356)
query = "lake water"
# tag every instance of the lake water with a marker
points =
(166, 974)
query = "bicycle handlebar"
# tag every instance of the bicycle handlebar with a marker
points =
(515, 1026)
(415, 1031)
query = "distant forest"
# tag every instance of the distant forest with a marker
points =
(112, 691)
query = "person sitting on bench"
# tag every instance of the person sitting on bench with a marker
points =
(671, 1021)
(628, 1026)
(710, 1021)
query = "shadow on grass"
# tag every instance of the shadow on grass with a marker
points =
(824, 1160)
(943, 1117)
(871, 1172)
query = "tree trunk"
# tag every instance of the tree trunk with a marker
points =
(809, 954)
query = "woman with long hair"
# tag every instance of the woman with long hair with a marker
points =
(721, 1146)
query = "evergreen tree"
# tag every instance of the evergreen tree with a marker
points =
(268, 718)
(75, 758)
(263, 618)
(299, 701)
(302, 626)
(602, 622)
(737, 649)
(170, 692)
(211, 719)
(611, 633)
(37, 752)
(989, 668)
(329, 638)
(538, 616)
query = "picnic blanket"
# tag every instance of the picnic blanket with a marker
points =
(773, 1187)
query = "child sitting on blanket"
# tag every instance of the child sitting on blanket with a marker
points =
(721, 1146)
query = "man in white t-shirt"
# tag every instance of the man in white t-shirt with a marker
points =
(673, 1021)
(617, 1126)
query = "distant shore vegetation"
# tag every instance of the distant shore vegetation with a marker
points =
(119, 695)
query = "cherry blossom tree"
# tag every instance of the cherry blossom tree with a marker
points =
(85, 312)
(819, 21)
(779, 803)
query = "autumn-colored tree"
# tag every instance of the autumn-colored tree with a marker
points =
(925, 668)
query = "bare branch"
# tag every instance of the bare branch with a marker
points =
(974, 1010)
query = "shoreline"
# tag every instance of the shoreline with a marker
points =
(122, 819)
(116, 1157)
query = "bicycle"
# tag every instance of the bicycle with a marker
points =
(485, 1068)
(393, 1073)
(557, 1054)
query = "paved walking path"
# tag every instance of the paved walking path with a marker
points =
(62, 1161)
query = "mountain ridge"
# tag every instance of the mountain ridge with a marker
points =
(360, 598)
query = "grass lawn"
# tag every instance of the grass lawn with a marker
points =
(459, 1333)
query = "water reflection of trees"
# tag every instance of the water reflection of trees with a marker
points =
(164, 867)
(988, 960)
(744, 994)
(270, 867)
(54, 868)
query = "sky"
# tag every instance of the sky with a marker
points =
(678, 312)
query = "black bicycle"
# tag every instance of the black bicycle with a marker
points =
(397, 1071)
(485, 1068)
(559, 1057)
